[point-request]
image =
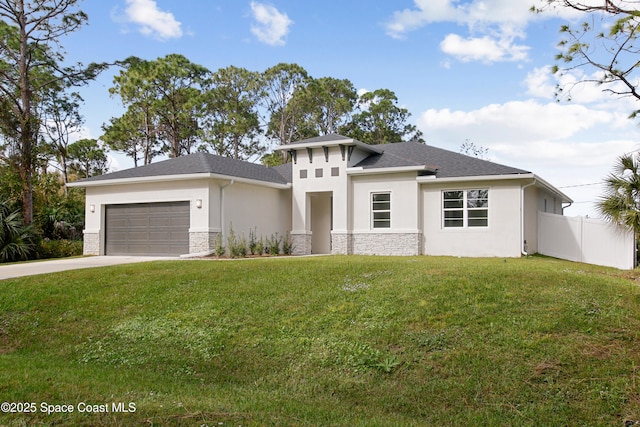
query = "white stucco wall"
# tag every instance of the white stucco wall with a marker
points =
(404, 202)
(247, 206)
(250, 207)
(501, 238)
(337, 185)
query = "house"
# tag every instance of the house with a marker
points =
(336, 195)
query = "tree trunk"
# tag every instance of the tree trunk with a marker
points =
(26, 137)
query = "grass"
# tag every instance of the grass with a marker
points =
(360, 341)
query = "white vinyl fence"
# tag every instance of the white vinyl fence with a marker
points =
(587, 240)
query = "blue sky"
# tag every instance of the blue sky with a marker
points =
(475, 70)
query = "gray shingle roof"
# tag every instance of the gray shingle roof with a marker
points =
(323, 138)
(201, 163)
(448, 163)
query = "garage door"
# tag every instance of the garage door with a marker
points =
(147, 229)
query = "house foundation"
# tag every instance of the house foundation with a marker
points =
(203, 241)
(406, 244)
(91, 244)
(301, 242)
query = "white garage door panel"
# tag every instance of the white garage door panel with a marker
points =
(147, 229)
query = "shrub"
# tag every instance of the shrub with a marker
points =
(254, 245)
(220, 249)
(237, 246)
(287, 245)
(58, 248)
(259, 249)
(16, 239)
(273, 244)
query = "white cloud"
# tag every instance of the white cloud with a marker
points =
(514, 121)
(484, 49)
(153, 22)
(493, 26)
(474, 14)
(271, 25)
(580, 88)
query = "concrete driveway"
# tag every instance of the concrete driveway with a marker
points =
(53, 266)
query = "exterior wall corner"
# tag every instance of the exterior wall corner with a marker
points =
(301, 242)
(91, 244)
(202, 241)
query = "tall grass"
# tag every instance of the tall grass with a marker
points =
(326, 341)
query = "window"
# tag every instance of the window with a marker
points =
(318, 173)
(335, 171)
(465, 208)
(381, 210)
(303, 173)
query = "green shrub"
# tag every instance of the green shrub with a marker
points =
(237, 245)
(273, 244)
(16, 239)
(287, 245)
(58, 248)
(220, 249)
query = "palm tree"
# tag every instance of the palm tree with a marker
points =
(16, 240)
(621, 201)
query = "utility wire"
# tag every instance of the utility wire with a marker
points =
(582, 185)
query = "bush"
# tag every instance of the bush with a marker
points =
(16, 239)
(58, 248)
(287, 245)
(220, 249)
(237, 245)
(273, 244)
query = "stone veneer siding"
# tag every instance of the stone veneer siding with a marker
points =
(341, 243)
(386, 243)
(91, 244)
(202, 241)
(301, 243)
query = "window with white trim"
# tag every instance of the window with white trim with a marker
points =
(465, 208)
(380, 210)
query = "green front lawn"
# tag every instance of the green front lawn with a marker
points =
(355, 341)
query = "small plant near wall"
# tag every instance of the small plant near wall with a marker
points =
(234, 245)
(256, 247)
(287, 244)
(237, 245)
(220, 249)
(273, 244)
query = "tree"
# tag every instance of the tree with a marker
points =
(380, 120)
(612, 54)
(30, 54)
(326, 104)
(134, 134)
(60, 119)
(470, 149)
(232, 123)
(280, 83)
(620, 203)
(87, 158)
(164, 103)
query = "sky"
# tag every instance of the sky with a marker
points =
(467, 70)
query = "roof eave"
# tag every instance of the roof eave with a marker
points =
(545, 184)
(517, 176)
(173, 178)
(397, 169)
(331, 143)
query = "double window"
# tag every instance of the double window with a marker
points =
(465, 208)
(381, 210)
